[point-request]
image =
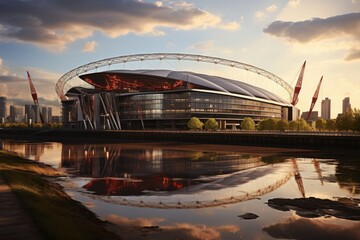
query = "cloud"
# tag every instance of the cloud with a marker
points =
(55, 23)
(230, 26)
(294, 3)
(259, 14)
(204, 46)
(184, 4)
(319, 29)
(132, 228)
(209, 46)
(159, 3)
(293, 228)
(354, 55)
(89, 46)
(269, 9)
(272, 8)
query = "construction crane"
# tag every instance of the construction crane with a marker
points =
(315, 97)
(298, 86)
(34, 96)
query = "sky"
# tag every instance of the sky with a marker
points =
(51, 37)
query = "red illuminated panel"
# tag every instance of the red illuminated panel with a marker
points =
(111, 186)
(134, 82)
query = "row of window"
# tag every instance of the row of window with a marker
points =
(181, 104)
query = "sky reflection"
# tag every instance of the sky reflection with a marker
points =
(139, 227)
(298, 228)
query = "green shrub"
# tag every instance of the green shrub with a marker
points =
(211, 124)
(195, 123)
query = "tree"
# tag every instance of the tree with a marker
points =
(320, 124)
(268, 124)
(293, 125)
(248, 124)
(331, 124)
(194, 123)
(299, 124)
(345, 121)
(303, 125)
(282, 125)
(211, 124)
(356, 124)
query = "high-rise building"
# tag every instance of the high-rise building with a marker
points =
(44, 113)
(2, 109)
(50, 115)
(16, 114)
(314, 115)
(326, 109)
(346, 105)
(32, 113)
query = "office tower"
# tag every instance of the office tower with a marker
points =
(2, 109)
(50, 115)
(346, 105)
(313, 116)
(32, 113)
(326, 109)
(16, 114)
(44, 113)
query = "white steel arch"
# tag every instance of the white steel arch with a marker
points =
(196, 204)
(166, 56)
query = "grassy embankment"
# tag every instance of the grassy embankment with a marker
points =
(54, 212)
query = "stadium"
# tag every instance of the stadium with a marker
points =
(166, 99)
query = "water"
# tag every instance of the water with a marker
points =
(191, 193)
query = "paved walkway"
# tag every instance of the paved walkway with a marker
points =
(15, 223)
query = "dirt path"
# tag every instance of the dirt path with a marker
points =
(15, 223)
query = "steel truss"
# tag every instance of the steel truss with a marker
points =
(166, 56)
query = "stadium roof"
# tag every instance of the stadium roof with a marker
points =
(163, 80)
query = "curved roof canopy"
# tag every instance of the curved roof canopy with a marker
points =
(166, 56)
(123, 81)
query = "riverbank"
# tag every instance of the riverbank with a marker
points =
(305, 140)
(54, 213)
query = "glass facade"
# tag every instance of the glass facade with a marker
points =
(184, 105)
(155, 106)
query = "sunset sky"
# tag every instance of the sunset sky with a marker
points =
(50, 37)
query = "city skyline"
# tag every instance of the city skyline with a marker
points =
(22, 114)
(275, 35)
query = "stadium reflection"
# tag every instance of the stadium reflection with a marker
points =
(171, 178)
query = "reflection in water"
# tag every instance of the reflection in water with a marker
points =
(138, 229)
(347, 175)
(297, 228)
(345, 208)
(318, 170)
(200, 194)
(29, 150)
(167, 178)
(298, 178)
(115, 161)
(135, 185)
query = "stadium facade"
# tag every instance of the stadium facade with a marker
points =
(165, 99)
